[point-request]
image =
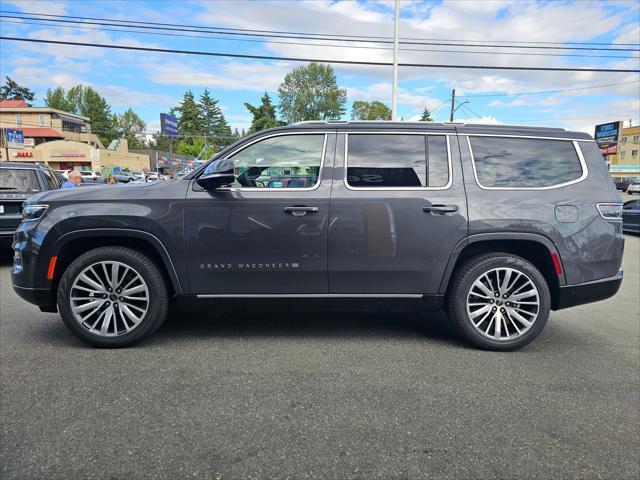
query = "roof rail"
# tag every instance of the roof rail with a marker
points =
(415, 122)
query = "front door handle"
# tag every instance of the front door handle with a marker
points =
(440, 209)
(300, 211)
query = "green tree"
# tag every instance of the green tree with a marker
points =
(426, 116)
(130, 126)
(311, 92)
(159, 141)
(57, 98)
(374, 110)
(264, 116)
(189, 115)
(12, 91)
(210, 113)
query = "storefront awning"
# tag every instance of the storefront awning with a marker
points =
(41, 132)
(71, 119)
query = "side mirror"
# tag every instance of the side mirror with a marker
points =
(217, 174)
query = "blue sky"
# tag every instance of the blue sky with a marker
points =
(151, 83)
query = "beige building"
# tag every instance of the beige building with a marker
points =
(626, 163)
(62, 140)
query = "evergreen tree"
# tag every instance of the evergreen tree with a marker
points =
(12, 91)
(210, 112)
(264, 116)
(426, 116)
(189, 118)
(57, 98)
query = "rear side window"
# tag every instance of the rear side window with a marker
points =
(20, 180)
(376, 161)
(524, 162)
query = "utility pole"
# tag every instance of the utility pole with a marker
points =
(394, 88)
(453, 103)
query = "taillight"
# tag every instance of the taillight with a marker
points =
(610, 211)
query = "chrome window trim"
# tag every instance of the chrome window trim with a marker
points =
(397, 189)
(309, 295)
(272, 189)
(460, 134)
(578, 150)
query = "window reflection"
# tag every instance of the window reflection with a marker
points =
(524, 162)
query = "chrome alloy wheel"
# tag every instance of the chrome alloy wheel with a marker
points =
(503, 304)
(109, 298)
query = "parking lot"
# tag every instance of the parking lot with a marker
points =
(322, 395)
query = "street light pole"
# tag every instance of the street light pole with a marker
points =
(394, 88)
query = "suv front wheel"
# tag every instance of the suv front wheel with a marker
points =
(499, 301)
(112, 297)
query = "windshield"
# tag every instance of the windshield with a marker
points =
(22, 180)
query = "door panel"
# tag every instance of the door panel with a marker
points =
(260, 240)
(393, 240)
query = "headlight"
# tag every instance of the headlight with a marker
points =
(33, 212)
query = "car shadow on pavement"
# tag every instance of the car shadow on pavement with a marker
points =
(307, 323)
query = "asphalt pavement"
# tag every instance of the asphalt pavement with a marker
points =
(326, 395)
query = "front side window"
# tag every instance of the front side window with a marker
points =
(634, 153)
(287, 161)
(524, 162)
(400, 161)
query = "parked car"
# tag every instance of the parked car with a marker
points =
(89, 176)
(18, 182)
(624, 183)
(123, 177)
(497, 225)
(633, 188)
(631, 216)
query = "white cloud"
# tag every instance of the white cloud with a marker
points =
(51, 7)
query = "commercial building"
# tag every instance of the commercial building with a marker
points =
(626, 162)
(60, 139)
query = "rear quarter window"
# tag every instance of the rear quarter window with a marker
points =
(501, 162)
(20, 180)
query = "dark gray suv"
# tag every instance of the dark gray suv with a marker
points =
(497, 225)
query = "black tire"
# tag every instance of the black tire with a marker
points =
(473, 269)
(158, 299)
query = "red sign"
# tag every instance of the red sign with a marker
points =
(24, 154)
(609, 150)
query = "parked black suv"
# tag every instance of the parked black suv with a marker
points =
(18, 182)
(496, 224)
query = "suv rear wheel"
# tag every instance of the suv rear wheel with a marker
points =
(499, 301)
(112, 297)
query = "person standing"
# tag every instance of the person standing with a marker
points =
(75, 179)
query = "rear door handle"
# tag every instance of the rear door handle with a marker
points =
(300, 211)
(440, 209)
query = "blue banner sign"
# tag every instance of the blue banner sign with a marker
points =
(15, 138)
(168, 124)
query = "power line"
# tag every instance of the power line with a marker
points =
(201, 29)
(307, 44)
(547, 91)
(299, 59)
(316, 34)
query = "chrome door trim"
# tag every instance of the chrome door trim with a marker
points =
(576, 146)
(396, 189)
(310, 295)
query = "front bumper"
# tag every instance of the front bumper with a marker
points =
(42, 297)
(572, 295)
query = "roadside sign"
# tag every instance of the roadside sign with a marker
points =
(606, 136)
(168, 124)
(15, 138)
